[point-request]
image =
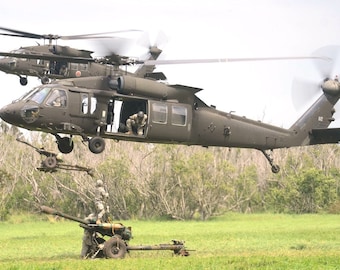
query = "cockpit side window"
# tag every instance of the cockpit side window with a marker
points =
(57, 98)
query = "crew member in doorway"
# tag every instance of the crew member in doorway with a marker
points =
(136, 122)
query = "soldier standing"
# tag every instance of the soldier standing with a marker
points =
(87, 242)
(100, 196)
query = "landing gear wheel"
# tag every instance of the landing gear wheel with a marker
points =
(45, 80)
(115, 248)
(275, 168)
(23, 81)
(50, 162)
(65, 145)
(96, 145)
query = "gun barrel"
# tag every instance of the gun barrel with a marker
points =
(51, 211)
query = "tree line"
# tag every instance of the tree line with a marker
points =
(147, 181)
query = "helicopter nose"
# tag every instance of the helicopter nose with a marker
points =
(20, 114)
(10, 114)
(7, 64)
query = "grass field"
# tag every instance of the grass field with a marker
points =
(233, 241)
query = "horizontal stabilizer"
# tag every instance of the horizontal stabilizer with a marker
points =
(325, 136)
(156, 76)
(187, 88)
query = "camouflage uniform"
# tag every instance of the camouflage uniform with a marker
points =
(100, 196)
(87, 238)
(137, 120)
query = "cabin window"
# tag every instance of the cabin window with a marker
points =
(83, 67)
(159, 113)
(84, 103)
(40, 62)
(57, 99)
(74, 66)
(179, 115)
(93, 105)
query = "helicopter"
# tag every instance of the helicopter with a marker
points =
(52, 61)
(98, 108)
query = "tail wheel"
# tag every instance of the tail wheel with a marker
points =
(50, 162)
(115, 248)
(275, 169)
(96, 145)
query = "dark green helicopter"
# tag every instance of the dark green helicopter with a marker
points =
(99, 107)
(54, 61)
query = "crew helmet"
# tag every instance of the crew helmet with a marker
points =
(99, 183)
(140, 114)
(92, 218)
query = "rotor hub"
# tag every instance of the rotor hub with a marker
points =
(331, 87)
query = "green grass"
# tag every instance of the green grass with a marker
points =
(233, 241)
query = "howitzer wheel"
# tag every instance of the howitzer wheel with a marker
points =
(50, 162)
(115, 248)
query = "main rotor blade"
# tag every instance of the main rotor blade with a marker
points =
(326, 69)
(130, 61)
(225, 60)
(98, 35)
(18, 33)
(51, 57)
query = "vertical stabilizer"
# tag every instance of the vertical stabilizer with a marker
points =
(144, 70)
(318, 116)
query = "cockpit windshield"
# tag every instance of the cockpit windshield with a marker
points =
(29, 93)
(37, 94)
(19, 51)
(55, 97)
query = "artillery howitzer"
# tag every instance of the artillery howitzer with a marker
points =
(95, 246)
(53, 162)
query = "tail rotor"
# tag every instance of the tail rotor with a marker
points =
(305, 90)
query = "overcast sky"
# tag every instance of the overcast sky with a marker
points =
(200, 29)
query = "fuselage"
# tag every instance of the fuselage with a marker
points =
(101, 111)
(100, 107)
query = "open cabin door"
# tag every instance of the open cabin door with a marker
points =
(119, 110)
(166, 121)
